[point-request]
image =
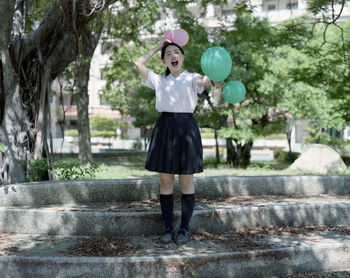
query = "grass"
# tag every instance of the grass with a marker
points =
(131, 165)
(209, 133)
(124, 166)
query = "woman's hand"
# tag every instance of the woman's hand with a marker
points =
(206, 81)
(162, 42)
(218, 85)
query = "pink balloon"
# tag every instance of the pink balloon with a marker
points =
(168, 35)
(180, 37)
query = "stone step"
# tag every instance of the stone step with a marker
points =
(269, 252)
(96, 191)
(144, 217)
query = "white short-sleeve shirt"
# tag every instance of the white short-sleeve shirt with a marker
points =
(177, 95)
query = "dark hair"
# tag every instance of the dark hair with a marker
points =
(165, 45)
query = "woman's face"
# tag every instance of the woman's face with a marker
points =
(173, 58)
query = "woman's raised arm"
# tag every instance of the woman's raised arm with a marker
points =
(140, 62)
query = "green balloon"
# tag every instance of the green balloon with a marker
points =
(216, 63)
(233, 91)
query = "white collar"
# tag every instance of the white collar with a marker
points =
(173, 77)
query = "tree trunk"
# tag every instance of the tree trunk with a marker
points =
(144, 138)
(239, 155)
(13, 119)
(83, 124)
(217, 154)
(14, 130)
(28, 64)
(89, 42)
(289, 129)
(230, 152)
(319, 134)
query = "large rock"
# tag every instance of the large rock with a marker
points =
(319, 159)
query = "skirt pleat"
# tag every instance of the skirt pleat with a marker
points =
(176, 145)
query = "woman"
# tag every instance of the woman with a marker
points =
(175, 146)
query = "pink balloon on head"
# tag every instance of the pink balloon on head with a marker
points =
(180, 37)
(168, 35)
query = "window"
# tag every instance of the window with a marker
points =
(271, 7)
(292, 6)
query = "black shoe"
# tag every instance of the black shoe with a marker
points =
(167, 237)
(183, 236)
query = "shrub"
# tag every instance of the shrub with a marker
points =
(71, 132)
(104, 134)
(93, 133)
(137, 145)
(338, 144)
(346, 160)
(37, 169)
(103, 124)
(71, 170)
(210, 161)
(285, 157)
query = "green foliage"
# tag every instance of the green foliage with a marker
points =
(274, 136)
(64, 170)
(282, 67)
(93, 133)
(258, 165)
(1, 148)
(300, 74)
(71, 132)
(210, 161)
(129, 21)
(253, 43)
(103, 124)
(71, 170)
(285, 157)
(346, 160)
(137, 145)
(37, 168)
(338, 144)
(207, 133)
(240, 135)
(36, 11)
(124, 90)
(123, 79)
(104, 134)
(323, 7)
(142, 107)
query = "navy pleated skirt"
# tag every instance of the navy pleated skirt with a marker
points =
(176, 145)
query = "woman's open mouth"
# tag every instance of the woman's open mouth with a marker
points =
(175, 63)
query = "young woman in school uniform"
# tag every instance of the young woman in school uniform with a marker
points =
(175, 146)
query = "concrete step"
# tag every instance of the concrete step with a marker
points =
(144, 217)
(96, 191)
(283, 252)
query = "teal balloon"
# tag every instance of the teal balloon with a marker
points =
(233, 91)
(216, 63)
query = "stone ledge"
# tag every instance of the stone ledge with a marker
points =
(89, 191)
(212, 216)
(281, 256)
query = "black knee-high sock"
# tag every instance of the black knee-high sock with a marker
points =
(167, 206)
(187, 207)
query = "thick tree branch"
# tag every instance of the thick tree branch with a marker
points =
(59, 18)
(6, 15)
(2, 93)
